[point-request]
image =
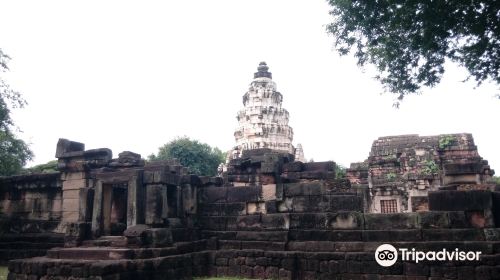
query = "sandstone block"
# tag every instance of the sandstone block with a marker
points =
(70, 216)
(66, 146)
(71, 194)
(391, 221)
(74, 184)
(285, 205)
(233, 209)
(453, 234)
(269, 192)
(73, 176)
(275, 221)
(295, 166)
(244, 194)
(307, 221)
(460, 200)
(71, 204)
(392, 235)
(433, 219)
(213, 194)
(345, 220)
(249, 222)
(346, 203)
(271, 206)
(319, 166)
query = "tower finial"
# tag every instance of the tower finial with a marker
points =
(262, 71)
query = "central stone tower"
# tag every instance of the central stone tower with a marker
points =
(263, 123)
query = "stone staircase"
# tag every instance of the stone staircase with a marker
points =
(106, 241)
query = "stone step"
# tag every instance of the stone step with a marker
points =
(29, 245)
(32, 237)
(486, 247)
(106, 241)
(403, 235)
(91, 253)
(112, 237)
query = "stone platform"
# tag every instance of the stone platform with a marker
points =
(269, 217)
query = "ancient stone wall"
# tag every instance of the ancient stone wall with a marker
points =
(401, 170)
(30, 213)
(270, 218)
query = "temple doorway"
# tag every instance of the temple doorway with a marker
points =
(114, 211)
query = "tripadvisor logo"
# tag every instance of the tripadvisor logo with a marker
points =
(387, 255)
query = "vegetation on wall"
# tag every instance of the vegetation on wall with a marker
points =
(391, 176)
(430, 167)
(446, 141)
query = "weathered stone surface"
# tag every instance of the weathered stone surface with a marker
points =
(65, 146)
(135, 231)
(295, 166)
(345, 220)
(402, 169)
(244, 194)
(434, 219)
(156, 204)
(319, 166)
(262, 122)
(460, 200)
(393, 221)
(127, 159)
(158, 237)
(213, 194)
(310, 226)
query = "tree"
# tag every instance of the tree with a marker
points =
(48, 167)
(409, 41)
(14, 152)
(496, 180)
(200, 158)
(340, 171)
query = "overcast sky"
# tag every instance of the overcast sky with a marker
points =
(133, 75)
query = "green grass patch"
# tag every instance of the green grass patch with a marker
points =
(221, 278)
(3, 272)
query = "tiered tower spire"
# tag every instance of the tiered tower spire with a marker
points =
(263, 123)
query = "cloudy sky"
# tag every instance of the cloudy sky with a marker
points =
(133, 75)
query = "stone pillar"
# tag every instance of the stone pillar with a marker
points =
(97, 210)
(73, 177)
(72, 184)
(136, 195)
(156, 204)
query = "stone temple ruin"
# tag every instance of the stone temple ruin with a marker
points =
(401, 170)
(263, 123)
(269, 216)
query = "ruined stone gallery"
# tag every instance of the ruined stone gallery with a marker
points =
(270, 215)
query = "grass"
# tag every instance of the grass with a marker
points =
(3, 272)
(219, 278)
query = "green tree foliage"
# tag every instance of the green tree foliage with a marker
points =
(409, 41)
(14, 152)
(48, 167)
(496, 180)
(199, 157)
(340, 171)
